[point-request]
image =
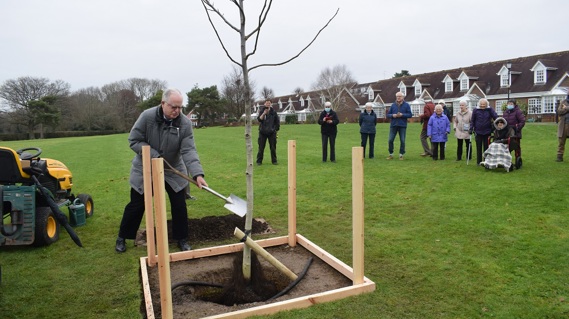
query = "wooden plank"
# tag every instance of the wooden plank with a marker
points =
(146, 289)
(298, 303)
(148, 209)
(325, 256)
(358, 214)
(162, 239)
(292, 193)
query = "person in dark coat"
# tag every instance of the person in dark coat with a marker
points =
(269, 124)
(368, 121)
(481, 124)
(428, 110)
(562, 128)
(515, 118)
(398, 114)
(328, 121)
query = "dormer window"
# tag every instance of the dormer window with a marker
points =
(418, 87)
(504, 80)
(301, 101)
(539, 76)
(448, 83)
(402, 88)
(540, 72)
(464, 81)
(370, 95)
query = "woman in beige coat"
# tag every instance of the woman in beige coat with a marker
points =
(461, 126)
(562, 128)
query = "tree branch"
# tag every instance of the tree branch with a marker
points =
(262, 17)
(207, 4)
(301, 51)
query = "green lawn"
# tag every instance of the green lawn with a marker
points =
(443, 239)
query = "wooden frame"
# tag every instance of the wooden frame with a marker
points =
(360, 285)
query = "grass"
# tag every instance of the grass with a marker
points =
(443, 239)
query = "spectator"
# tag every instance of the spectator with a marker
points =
(328, 121)
(461, 130)
(399, 112)
(269, 124)
(482, 125)
(437, 130)
(562, 128)
(368, 121)
(515, 119)
(428, 110)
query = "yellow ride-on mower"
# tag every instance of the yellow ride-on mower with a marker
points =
(33, 190)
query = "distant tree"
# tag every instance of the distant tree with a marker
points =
(19, 93)
(266, 93)
(402, 73)
(144, 88)
(123, 104)
(206, 102)
(298, 90)
(234, 93)
(331, 82)
(156, 99)
(89, 112)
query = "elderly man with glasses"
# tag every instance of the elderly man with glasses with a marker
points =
(170, 136)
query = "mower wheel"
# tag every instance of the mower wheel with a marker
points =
(87, 200)
(47, 227)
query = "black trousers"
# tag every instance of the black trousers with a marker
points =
(459, 148)
(272, 146)
(435, 150)
(332, 139)
(481, 146)
(134, 211)
(371, 143)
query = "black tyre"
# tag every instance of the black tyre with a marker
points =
(87, 200)
(47, 227)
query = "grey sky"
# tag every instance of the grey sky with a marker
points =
(93, 43)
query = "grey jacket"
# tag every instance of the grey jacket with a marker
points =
(172, 141)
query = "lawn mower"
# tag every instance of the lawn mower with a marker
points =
(33, 191)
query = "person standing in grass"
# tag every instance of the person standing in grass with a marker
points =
(562, 128)
(461, 129)
(482, 124)
(399, 112)
(428, 111)
(269, 125)
(328, 121)
(368, 121)
(171, 137)
(438, 129)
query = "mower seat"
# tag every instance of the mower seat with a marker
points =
(11, 169)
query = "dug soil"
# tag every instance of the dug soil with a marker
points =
(209, 286)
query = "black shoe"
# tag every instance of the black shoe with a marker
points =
(121, 245)
(259, 164)
(183, 245)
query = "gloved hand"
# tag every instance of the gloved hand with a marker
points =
(470, 131)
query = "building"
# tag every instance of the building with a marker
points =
(537, 83)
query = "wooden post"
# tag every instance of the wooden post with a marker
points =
(292, 193)
(358, 214)
(147, 177)
(265, 254)
(162, 239)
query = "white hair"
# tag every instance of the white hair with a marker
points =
(327, 104)
(369, 104)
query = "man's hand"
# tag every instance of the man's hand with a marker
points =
(201, 181)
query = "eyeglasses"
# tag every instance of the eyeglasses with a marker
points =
(174, 107)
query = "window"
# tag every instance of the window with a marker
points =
(370, 94)
(418, 89)
(448, 86)
(499, 105)
(403, 90)
(416, 109)
(539, 77)
(464, 84)
(549, 104)
(380, 112)
(504, 80)
(534, 106)
(301, 102)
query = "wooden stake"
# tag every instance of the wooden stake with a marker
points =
(265, 254)
(147, 178)
(358, 213)
(292, 193)
(162, 236)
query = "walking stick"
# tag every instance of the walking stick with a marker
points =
(468, 151)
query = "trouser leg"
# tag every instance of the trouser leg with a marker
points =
(262, 141)
(402, 136)
(132, 215)
(324, 147)
(273, 147)
(425, 142)
(179, 213)
(371, 145)
(364, 141)
(333, 147)
(459, 148)
(392, 132)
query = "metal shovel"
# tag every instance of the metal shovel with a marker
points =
(233, 203)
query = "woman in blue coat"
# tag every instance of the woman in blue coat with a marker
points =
(368, 121)
(438, 129)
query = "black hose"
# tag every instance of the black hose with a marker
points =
(196, 283)
(294, 283)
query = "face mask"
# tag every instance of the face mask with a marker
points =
(509, 106)
(327, 109)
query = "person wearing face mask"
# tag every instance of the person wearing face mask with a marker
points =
(368, 121)
(328, 121)
(515, 118)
